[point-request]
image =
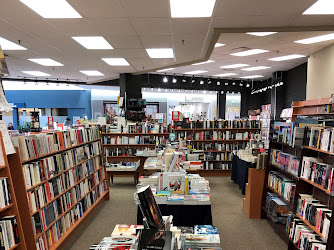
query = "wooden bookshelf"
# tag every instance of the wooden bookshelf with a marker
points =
(219, 160)
(13, 208)
(283, 198)
(136, 134)
(314, 107)
(128, 145)
(23, 203)
(303, 186)
(221, 141)
(194, 130)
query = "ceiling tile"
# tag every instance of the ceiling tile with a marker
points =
(190, 26)
(124, 42)
(155, 41)
(151, 26)
(98, 8)
(146, 8)
(133, 53)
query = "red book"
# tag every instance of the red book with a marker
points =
(34, 146)
(60, 140)
(47, 191)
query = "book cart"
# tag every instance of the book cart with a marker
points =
(13, 208)
(97, 193)
(196, 145)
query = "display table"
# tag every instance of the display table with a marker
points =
(240, 172)
(112, 173)
(183, 215)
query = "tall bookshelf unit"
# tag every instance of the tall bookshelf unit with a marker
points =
(196, 145)
(302, 187)
(13, 208)
(59, 227)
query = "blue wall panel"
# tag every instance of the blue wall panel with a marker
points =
(78, 102)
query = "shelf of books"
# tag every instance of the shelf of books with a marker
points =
(11, 231)
(121, 148)
(317, 107)
(215, 141)
(298, 192)
(63, 181)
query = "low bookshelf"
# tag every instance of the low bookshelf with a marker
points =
(303, 186)
(60, 189)
(217, 145)
(121, 148)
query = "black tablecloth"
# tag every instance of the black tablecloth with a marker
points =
(183, 215)
(240, 172)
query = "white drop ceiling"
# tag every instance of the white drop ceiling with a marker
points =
(132, 26)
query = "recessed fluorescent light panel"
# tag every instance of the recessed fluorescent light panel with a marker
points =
(226, 74)
(91, 72)
(256, 68)
(93, 42)
(163, 70)
(46, 62)
(160, 53)
(261, 33)
(35, 73)
(52, 8)
(191, 8)
(209, 61)
(116, 61)
(321, 7)
(249, 52)
(8, 45)
(285, 58)
(234, 66)
(251, 77)
(196, 72)
(316, 39)
(217, 45)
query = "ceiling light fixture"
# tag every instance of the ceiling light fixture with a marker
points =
(234, 66)
(165, 79)
(162, 70)
(217, 45)
(184, 79)
(249, 52)
(8, 45)
(209, 81)
(160, 53)
(226, 83)
(45, 62)
(201, 82)
(191, 8)
(93, 42)
(256, 68)
(321, 7)
(52, 8)
(218, 82)
(91, 72)
(251, 77)
(116, 61)
(35, 73)
(222, 92)
(261, 33)
(209, 61)
(195, 72)
(233, 83)
(204, 91)
(226, 74)
(241, 84)
(159, 89)
(285, 58)
(317, 39)
(247, 85)
(174, 80)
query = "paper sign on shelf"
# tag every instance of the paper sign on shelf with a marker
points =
(6, 139)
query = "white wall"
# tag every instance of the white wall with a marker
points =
(173, 98)
(320, 74)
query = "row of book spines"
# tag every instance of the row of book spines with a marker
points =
(5, 195)
(319, 173)
(282, 185)
(37, 198)
(67, 140)
(9, 235)
(30, 147)
(225, 124)
(217, 165)
(64, 223)
(51, 212)
(41, 171)
(133, 140)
